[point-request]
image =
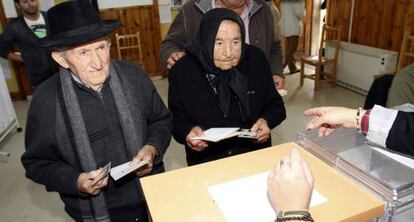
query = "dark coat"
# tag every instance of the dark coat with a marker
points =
(193, 103)
(400, 137)
(37, 60)
(45, 164)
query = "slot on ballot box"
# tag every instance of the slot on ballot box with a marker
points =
(185, 194)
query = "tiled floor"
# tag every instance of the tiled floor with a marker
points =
(21, 200)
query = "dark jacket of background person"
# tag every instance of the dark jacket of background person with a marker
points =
(193, 103)
(46, 164)
(400, 137)
(261, 31)
(37, 60)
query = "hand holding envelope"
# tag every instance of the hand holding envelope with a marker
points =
(92, 182)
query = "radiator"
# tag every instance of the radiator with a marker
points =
(358, 64)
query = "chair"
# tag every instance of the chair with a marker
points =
(129, 48)
(330, 36)
(407, 50)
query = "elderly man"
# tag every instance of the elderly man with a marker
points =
(258, 21)
(25, 31)
(92, 112)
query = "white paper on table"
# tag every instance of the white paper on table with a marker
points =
(399, 158)
(216, 134)
(124, 169)
(246, 199)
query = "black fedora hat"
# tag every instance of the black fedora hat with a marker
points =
(75, 22)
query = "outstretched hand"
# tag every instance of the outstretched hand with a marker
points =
(327, 119)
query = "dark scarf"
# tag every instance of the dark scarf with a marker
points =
(230, 83)
(94, 208)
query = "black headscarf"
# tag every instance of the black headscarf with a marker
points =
(229, 82)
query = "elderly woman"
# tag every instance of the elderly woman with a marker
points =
(222, 82)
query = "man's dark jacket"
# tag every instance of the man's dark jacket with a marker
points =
(46, 164)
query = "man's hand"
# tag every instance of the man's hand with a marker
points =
(85, 182)
(263, 128)
(14, 56)
(174, 57)
(147, 152)
(327, 119)
(197, 145)
(290, 184)
(279, 82)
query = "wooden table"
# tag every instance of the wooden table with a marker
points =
(182, 195)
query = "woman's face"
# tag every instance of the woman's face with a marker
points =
(227, 47)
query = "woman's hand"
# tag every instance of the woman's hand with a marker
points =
(330, 118)
(263, 128)
(290, 184)
(197, 145)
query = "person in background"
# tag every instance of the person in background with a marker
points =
(290, 186)
(389, 128)
(222, 82)
(257, 20)
(25, 31)
(293, 12)
(276, 17)
(94, 111)
(402, 87)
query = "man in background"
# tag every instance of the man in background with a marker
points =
(25, 31)
(258, 22)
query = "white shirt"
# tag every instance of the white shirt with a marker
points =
(380, 122)
(37, 26)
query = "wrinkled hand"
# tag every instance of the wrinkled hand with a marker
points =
(197, 145)
(327, 119)
(279, 82)
(174, 57)
(147, 152)
(290, 184)
(263, 128)
(84, 183)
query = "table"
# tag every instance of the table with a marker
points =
(182, 195)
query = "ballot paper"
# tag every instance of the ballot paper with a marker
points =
(282, 92)
(217, 134)
(104, 172)
(124, 169)
(246, 200)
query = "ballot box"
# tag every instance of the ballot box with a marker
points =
(235, 189)
(385, 173)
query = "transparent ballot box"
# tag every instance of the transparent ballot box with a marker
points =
(388, 175)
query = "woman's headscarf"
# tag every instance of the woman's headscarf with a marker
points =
(202, 48)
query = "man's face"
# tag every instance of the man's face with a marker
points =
(28, 7)
(89, 62)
